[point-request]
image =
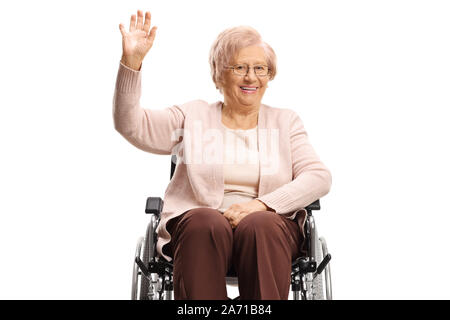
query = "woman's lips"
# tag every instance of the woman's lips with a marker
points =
(248, 91)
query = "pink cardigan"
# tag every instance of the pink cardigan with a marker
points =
(291, 174)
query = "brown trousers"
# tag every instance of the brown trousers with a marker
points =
(261, 250)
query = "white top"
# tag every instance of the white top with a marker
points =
(241, 166)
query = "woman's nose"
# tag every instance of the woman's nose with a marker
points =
(251, 74)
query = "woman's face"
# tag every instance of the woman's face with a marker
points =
(233, 83)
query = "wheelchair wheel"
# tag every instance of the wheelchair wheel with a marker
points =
(147, 247)
(327, 271)
(137, 276)
(318, 288)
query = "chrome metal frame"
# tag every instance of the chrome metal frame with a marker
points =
(327, 270)
(135, 286)
(307, 285)
(155, 281)
(153, 224)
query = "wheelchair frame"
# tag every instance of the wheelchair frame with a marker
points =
(153, 276)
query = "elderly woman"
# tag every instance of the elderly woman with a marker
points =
(245, 170)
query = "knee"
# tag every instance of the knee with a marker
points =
(257, 222)
(206, 220)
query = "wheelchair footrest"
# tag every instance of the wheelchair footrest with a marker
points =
(302, 265)
(142, 266)
(322, 265)
(160, 267)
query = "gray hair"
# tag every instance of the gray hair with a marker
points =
(228, 44)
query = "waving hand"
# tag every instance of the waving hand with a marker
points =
(138, 40)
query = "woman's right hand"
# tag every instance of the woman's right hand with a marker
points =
(137, 41)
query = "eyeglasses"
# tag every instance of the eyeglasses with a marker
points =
(242, 70)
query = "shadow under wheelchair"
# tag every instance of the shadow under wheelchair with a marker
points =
(153, 276)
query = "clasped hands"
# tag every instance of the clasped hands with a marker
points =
(236, 212)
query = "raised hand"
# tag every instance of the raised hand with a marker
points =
(137, 41)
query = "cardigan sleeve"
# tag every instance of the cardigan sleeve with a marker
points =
(311, 178)
(149, 130)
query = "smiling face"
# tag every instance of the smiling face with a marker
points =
(232, 86)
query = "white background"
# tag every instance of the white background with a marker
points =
(370, 79)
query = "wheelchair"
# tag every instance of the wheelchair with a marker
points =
(153, 276)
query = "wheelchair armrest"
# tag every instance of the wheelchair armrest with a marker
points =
(154, 205)
(313, 206)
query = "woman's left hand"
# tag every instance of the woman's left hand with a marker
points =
(236, 212)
